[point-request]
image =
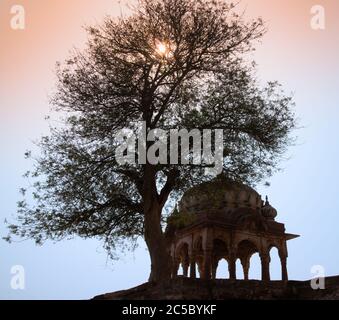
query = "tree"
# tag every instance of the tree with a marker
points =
(172, 64)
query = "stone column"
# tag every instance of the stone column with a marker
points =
(200, 268)
(232, 266)
(208, 252)
(207, 272)
(265, 267)
(175, 267)
(284, 274)
(214, 268)
(245, 262)
(193, 274)
(185, 266)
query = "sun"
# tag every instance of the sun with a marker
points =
(162, 48)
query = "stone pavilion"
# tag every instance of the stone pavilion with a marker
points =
(224, 219)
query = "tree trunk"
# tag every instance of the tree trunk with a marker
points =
(157, 247)
(154, 236)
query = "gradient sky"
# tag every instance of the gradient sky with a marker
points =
(305, 193)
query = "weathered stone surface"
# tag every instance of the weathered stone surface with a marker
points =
(224, 219)
(198, 289)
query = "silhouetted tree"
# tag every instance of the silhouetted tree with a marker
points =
(173, 64)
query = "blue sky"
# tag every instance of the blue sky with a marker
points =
(305, 193)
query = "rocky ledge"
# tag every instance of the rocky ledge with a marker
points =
(198, 289)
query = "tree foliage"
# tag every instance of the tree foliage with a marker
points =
(173, 64)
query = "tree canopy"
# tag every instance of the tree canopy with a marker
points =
(173, 64)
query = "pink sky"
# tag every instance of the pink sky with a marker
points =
(304, 60)
(53, 27)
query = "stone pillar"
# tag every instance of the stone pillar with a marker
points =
(265, 267)
(208, 252)
(245, 262)
(193, 274)
(185, 266)
(214, 268)
(175, 267)
(207, 272)
(284, 274)
(200, 268)
(232, 266)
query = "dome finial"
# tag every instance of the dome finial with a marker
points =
(268, 211)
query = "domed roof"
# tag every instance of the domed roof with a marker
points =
(220, 193)
(268, 211)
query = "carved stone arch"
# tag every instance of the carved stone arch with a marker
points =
(222, 235)
(273, 242)
(220, 248)
(182, 256)
(182, 247)
(246, 248)
(220, 251)
(198, 242)
(279, 244)
(224, 238)
(255, 240)
(198, 250)
(282, 252)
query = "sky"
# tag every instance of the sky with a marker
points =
(305, 192)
